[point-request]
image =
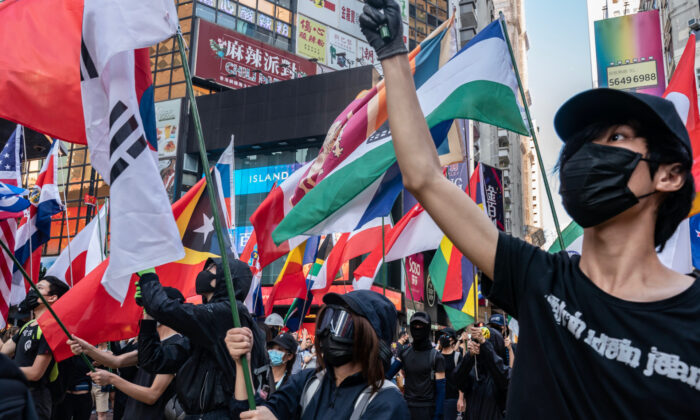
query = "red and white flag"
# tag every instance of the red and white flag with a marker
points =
(415, 232)
(8, 228)
(270, 213)
(83, 253)
(349, 246)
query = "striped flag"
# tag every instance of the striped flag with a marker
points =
(250, 255)
(8, 228)
(10, 171)
(291, 281)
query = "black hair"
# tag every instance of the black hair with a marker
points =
(661, 149)
(56, 286)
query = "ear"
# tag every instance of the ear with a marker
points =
(670, 177)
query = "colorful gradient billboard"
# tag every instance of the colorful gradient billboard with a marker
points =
(630, 54)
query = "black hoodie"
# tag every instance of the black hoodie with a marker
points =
(206, 380)
(15, 400)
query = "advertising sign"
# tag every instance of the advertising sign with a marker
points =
(323, 11)
(311, 39)
(366, 54)
(415, 273)
(167, 127)
(630, 53)
(237, 61)
(457, 173)
(342, 50)
(261, 180)
(349, 17)
(491, 179)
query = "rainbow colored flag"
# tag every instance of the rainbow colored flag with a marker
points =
(291, 281)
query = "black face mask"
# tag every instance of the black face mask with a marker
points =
(203, 283)
(445, 342)
(30, 302)
(420, 337)
(594, 183)
(335, 352)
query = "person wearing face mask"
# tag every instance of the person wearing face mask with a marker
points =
(424, 370)
(353, 337)
(274, 324)
(625, 177)
(204, 383)
(31, 351)
(454, 400)
(282, 352)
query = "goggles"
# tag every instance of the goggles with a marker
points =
(337, 321)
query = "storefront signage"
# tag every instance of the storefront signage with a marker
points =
(323, 11)
(311, 39)
(237, 61)
(341, 50)
(261, 180)
(168, 127)
(415, 273)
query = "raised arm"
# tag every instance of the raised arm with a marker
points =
(457, 215)
(78, 345)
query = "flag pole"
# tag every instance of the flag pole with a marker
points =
(65, 218)
(43, 299)
(383, 259)
(533, 131)
(214, 209)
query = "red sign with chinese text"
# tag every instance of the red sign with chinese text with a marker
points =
(393, 296)
(237, 61)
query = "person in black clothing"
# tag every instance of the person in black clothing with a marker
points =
(31, 351)
(353, 338)
(424, 368)
(483, 375)
(205, 381)
(16, 401)
(148, 392)
(498, 322)
(77, 401)
(282, 352)
(609, 333)
(401, 343)
(454, 400)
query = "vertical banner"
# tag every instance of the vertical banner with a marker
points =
(492, 184)
(415, 277)
(311, 39)
(629, 53)
(168, 131)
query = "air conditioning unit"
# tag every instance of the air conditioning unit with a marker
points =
(694, 24)
(190, 163)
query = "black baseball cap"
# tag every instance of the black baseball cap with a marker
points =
(497, 319)
(378, 310)
(448, 331)
(286, 341)
(604, 104)
(420, 317)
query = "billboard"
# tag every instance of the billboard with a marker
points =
(311, 39)
(237, 61)
(492, 193)
(167, 127)
(415, 277)
(323, 11)
(629, 53)
(342, 50)
(261, 180)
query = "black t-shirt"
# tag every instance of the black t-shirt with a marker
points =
(451, 391)
(419, 389)
(587, 354)
(129, 372)
(30, 344)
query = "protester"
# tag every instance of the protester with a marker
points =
(310, 355)
(399, 345)
(76, 403)
(498, 322)
(483, 376)
(454, 400)
(16, 401)
(282, 352)
(205, 382)
(303, 351)
(30, 349)
(274, 323)
(424, 372)
(354, 333)
(586, 320)
(100, 394)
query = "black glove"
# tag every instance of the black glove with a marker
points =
(371, 21)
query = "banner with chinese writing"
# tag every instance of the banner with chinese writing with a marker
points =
(342, 50)
(415, 277)
(237, 61)
(492, 184)
(349, 17)
(323, 11)
(311, 39)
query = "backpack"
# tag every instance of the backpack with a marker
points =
(58, 385)
(361, 403)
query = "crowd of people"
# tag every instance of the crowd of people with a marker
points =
(596, 341)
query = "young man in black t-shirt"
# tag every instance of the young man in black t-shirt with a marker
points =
(612, 333)
(31, 351)
(454, 399)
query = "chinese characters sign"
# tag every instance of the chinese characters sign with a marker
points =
(492, 184)
(311, 39)
(234, 60)
(415, 273)
(341, 50)
(324, 11)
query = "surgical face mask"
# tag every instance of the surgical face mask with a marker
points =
(203, 283)
(276, 357)
(594, 183)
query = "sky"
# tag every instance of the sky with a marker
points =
(558, 67)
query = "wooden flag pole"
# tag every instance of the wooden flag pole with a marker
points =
(533, 131)
(43, 299)
(214, 210)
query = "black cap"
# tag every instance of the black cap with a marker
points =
(286, 341)
(497, 319)
(378, 310)
(420, 317)
(605, 104)
(450, 332)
